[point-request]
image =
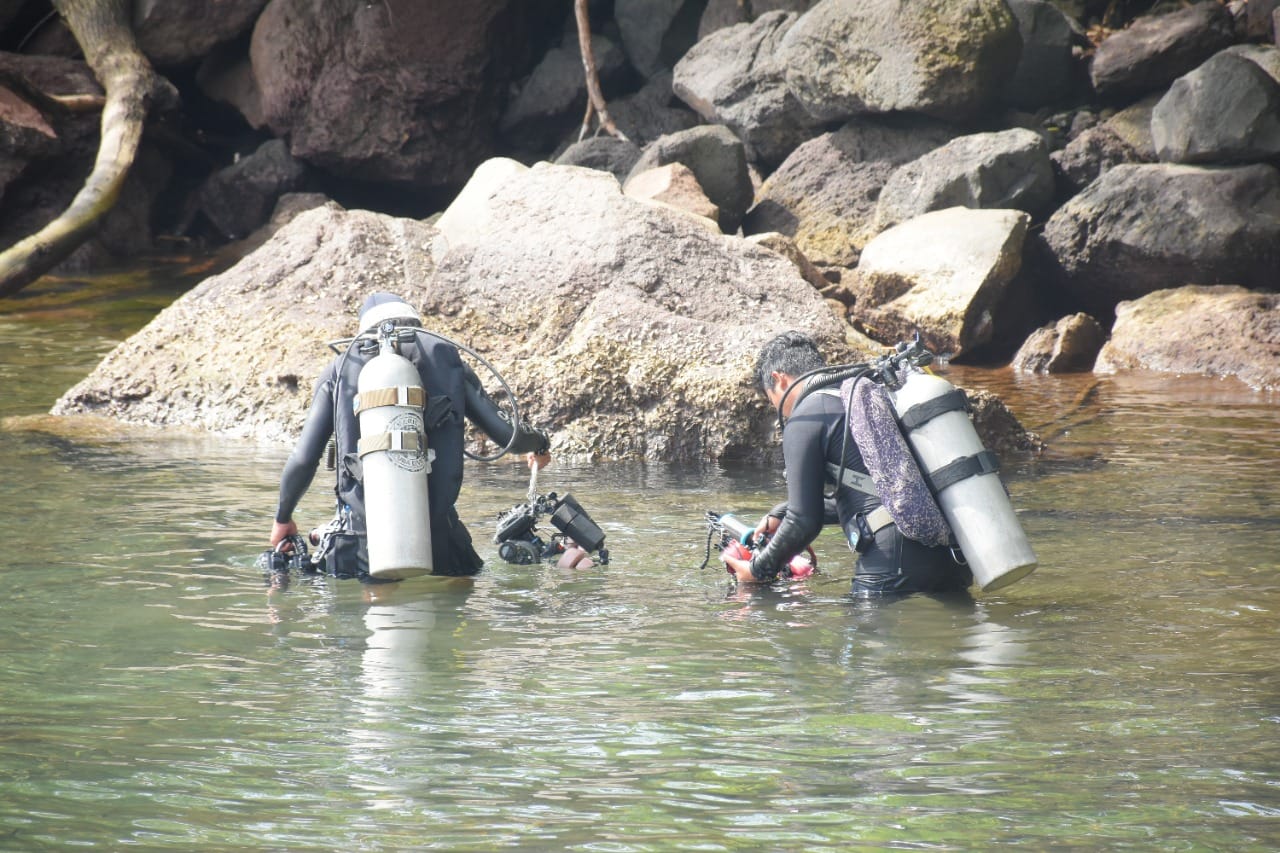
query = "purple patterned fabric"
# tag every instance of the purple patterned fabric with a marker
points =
(891, 464)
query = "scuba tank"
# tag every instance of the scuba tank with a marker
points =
(395, 462)
(963, 476)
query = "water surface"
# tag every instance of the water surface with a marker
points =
(157, 694)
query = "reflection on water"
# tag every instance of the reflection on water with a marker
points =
(159, 693)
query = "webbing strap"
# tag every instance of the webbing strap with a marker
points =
(853, 479)
(921, 413)
(411, 440)
(963, 468)
(878, 519)
(396, 395)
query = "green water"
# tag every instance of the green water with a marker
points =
(156, 695)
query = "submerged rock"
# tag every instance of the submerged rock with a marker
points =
(1067, 346)
(1220, 330)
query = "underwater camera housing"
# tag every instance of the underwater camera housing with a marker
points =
(278, 561)
(517, 534)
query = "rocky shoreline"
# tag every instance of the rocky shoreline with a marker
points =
(1017, 181)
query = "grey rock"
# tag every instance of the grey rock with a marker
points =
(942, 58)
(368, 92)
(942, 274)
(1123, 138)
(176, 34)
(606, 153)
(1225, 111)
(733, 77)
(1154, 51)
(557, 88)
(824, 195)
(1141, 228)
(717, 158)
(1008, 169)
(656, 33)
(240, 197)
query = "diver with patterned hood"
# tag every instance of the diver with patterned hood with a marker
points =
(410, 392)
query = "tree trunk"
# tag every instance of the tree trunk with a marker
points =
(103, 31)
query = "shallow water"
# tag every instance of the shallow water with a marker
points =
(157, 694)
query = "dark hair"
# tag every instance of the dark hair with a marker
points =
(792, 353)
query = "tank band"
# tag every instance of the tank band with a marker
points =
(963, 468)
(396, 395)
(411, 440)
(921, 413)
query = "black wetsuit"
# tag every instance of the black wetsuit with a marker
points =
(893, 564)
(453, 393)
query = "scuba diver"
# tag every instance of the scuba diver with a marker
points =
(816, 453)
(394, 402)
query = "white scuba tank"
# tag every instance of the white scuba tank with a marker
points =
(395, 462)
(963, 473)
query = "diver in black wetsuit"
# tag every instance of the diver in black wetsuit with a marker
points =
(890, 564)
(453, 393)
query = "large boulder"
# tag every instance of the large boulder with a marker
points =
(733, 77)
(369, 93)
(1008, 169)
(943, 274)
(618, 324)
(824, 195)
(719, 161)
(944, 58)
(238, 354)
(1140, 228)
(1156, 50)
(1220, 330)
(1225, 111)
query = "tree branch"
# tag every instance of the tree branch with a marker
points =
(102, 29)
(595, 96)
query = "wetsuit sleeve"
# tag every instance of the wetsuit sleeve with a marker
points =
(301, 466)
(484, 412)
(803, 453)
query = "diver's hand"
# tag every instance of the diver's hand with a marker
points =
(538, 460)
(282, 529)
(737, 560)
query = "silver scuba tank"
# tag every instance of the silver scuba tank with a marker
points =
(395, 461)
(962, 473)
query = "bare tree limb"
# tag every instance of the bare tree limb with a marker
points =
(595, 96)
(103, 31)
